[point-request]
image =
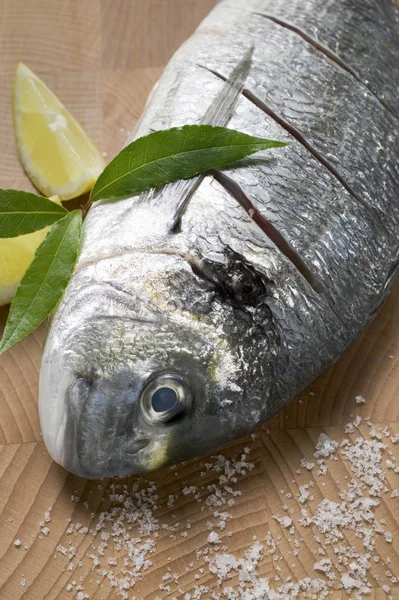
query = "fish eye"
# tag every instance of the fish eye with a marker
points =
(165, 399)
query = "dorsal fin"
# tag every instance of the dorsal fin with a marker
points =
(219, 114)
(221, 110)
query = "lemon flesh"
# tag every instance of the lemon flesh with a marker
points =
(56, 153)
(16, 254)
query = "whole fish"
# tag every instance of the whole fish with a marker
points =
(200, 309)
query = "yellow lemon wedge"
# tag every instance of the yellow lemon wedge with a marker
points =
(56, 153)
(16, 254)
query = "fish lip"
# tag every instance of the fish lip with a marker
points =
(112, 467)
(136, 445)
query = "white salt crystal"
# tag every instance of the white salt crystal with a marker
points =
(325, 446)
(386, 589)
(284, 521)
(306, 464)
(213, 538)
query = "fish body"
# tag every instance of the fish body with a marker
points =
(188, 321)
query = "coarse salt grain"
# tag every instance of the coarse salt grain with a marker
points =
(47, 515)
(213, 538)
(325, 446)
(284, 521)
(386, 589)
(304, 494)
(307, 464)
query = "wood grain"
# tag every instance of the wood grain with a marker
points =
(102, 57)
(137, 34)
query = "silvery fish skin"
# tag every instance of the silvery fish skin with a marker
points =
(186, 327)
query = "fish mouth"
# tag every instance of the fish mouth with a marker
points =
(101, 436)
(136, 445)
(90, 468)
(88, 460)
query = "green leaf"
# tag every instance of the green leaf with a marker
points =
(44, 282)
(179, 153)
(22, 212)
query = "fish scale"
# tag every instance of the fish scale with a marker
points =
(214, 283)
(348, 32)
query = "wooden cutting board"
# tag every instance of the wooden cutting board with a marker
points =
(101, 57)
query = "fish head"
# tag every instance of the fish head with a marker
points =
(143, 367)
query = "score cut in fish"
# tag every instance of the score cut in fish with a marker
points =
(200, 309)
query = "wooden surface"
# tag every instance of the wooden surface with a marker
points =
(102, 57)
